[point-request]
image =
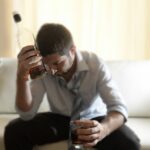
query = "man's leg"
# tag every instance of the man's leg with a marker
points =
(121, 139)
(42, 129)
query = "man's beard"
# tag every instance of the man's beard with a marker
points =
(66, 68)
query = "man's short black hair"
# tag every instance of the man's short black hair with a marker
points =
(53, 38)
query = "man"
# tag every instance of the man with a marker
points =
(78, 86)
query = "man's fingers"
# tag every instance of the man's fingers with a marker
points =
(27, 52)
(33, 60)
(90, 143)
(90, 137)
(86, 123)
(87, 131)
(25, 49)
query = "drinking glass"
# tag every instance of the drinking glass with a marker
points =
(75, 144)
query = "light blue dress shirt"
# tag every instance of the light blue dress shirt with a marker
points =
(91, 85)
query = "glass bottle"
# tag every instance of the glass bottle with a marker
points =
(25, 37)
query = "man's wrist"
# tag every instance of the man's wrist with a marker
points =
(113, 121)
(22, 77)
(106, 128)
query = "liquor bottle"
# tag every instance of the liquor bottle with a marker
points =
(26, 37)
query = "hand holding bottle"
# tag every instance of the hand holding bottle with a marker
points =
(27, 60)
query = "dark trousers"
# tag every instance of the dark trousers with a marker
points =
(48, 127)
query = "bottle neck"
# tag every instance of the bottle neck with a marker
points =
(24, 36)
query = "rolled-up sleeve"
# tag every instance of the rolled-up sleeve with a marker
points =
(109, 91)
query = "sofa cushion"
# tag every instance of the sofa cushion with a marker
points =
(133, 79)
(7, 85)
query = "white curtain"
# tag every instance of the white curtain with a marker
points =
(114, 29)
(6, 30)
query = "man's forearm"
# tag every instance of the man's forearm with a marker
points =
(113, 121)
(23, 95)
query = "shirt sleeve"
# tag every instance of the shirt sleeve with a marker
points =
(37, 91)
(109, 91)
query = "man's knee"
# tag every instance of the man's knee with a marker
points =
(12, 128)
(128, 139)
(121, 139)
(133, 144)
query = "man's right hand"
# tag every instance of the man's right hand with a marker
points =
(28, 58)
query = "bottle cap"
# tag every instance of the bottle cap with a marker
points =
(17, 17)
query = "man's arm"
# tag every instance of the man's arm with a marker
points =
(23, 95)
(113, 121)
(27, 59)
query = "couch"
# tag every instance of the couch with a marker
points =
(132, 77)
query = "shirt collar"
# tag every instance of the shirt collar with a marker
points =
(81, 64)
(81, 67)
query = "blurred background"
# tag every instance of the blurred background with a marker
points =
(114, 29)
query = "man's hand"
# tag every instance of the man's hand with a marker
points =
(27, 58)
(91, 132)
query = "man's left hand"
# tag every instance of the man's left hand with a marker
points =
(90, 132)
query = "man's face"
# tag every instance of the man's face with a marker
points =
(57, 64)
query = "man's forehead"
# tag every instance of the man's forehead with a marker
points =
(54, 58)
